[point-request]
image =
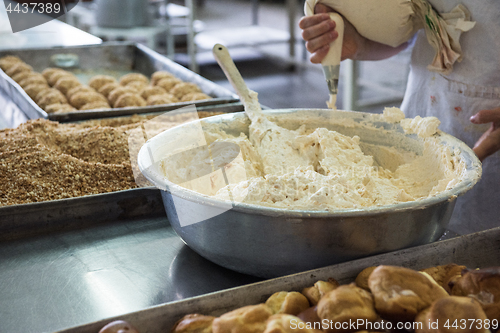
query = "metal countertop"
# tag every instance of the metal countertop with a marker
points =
(62, 280)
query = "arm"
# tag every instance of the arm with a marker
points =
(319, 31)
(489, 142)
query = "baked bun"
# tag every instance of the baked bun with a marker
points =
(116, 93)
(446, 275)
(401, 293)
(33, 78)
(319, 290)
(34, 89)
(362, 278)
(8, 61)
(346, 303)
(183, 88)
(51, 96)
(52, 80)
(168, 83)
(157, 76)
(484, 286)
(454, 310)
(151, 91)
(78, 89)
(129, 100)
(162, 99)
(127, 78)
(285, 323)
(138, 86)
(81, 98)
(96, 105)
(47, 72)
(248, 319)
(118, 326)
(287, 302)
(107, 88)
(195, 96)
(96, 82)
(18, 77)
(66, 83)
(18, 67)
(194, 323)
(59, 108)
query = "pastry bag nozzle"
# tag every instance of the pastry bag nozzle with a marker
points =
(331, 62)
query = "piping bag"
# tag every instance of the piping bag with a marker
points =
(331, 62)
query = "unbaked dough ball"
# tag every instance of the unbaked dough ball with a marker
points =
(97, 105)
(107, 88)
(116, 93)
(52, 96)
(81, 98)
(184, 88)
(98, 81)
(150, 91)
(18, 67)
(129, 100)
(168, 83)
(157, 76)
(59, 108)
(65, 83)
(125, 79)
(78, 89)
(195, 96)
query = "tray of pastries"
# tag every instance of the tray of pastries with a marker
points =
(96, 81)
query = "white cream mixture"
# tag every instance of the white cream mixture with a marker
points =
(317, 169)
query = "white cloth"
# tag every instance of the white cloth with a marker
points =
(473, 85)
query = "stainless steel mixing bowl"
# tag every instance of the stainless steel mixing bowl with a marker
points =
(269, 242)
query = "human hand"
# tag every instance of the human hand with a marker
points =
(489, 142)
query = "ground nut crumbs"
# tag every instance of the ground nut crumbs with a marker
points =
(43, 160)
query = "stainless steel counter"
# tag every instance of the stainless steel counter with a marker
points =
(62, 280)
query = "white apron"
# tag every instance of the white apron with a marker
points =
(473, 85)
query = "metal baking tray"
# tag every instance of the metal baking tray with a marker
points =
(113, 58)
(17, 221)
(475, 250)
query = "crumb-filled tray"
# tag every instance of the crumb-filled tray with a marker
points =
(22, 216)
(475, 250)
(113, 59)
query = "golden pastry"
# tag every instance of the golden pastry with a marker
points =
(400, 293)
(137, 85)
(96, 82)
(287, 302)
(285, 323)
(194, 323)
(116, 93)
(157, 76)
(129, 100)
(57, 75)
(65, 83)
(168, 83)
(21, 76)
(446, 275)
(362, 278)
(18, 67)
(183, 88)
(125, 79)
(195, 96)
(78, 89)
(484, 286)
(81, 98)
(151, 91)
(34, 89)
(463, 312)
(107, 88)
(33, 78)
(8, 61)
(248, 319)
(50, 97)
(161, 99)
(346, 303)
(59, 108)
(319, 290)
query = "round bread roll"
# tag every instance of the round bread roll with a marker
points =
(194, 96)
(320, 289)
(168, 83)
(18, 67)
(8, 61)
(81, 98)
(42, 93)
(287, 302)
(137, 85)
(116, 93)
(126, 79)
(65, 83)
(446, 275)
(57, 75)
(183, 88)
(161, 99)
(34, 89)
(285, 323)
(21, 76)
(157, 76)
(129, 100)
(33, 78)
(52, 96)
(458, 310)
(362, 278)
(107, 88)
(484, 286)
(96, 105)
(118, 326)
(194, 323)
(400, 293)
(151, 91)
(59, 108)
(78, 89)
(47, 72)
(248, 319)
(96, 82)
(347, 303)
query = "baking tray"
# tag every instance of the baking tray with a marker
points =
(17, 221)
(112, 58)
(475, 250)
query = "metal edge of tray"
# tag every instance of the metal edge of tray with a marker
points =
(156, 61)
(26, 220)
(481, 249)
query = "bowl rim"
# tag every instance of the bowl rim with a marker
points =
(473, 174)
